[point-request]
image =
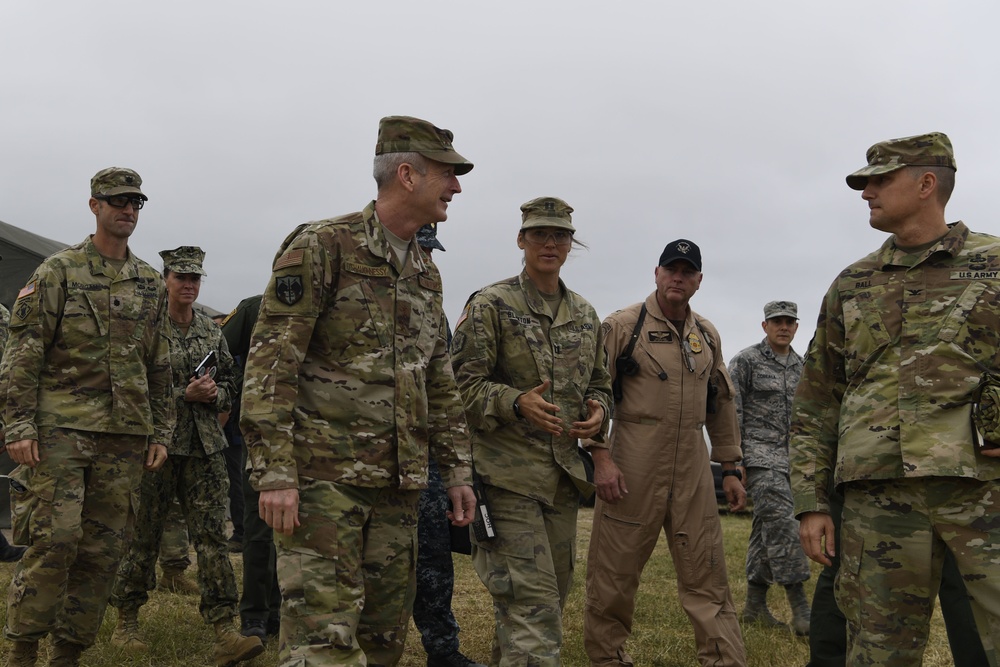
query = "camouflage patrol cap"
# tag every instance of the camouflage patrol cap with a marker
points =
(781, 309)
(116, 181)
(405, 134)
(922, 150)
(682, 249)
(186, 259)
(547, 212)
(427, 237)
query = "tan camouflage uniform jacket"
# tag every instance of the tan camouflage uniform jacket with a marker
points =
(501, 349)
(88, 351)
(198, 432)
(348, 377)
(900, 345)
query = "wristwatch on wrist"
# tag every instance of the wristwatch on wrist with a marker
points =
(517, 410)
(735, 472)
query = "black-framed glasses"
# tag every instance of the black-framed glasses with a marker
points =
(121, 201)
(542, 236)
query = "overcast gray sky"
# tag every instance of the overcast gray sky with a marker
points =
(729, 123)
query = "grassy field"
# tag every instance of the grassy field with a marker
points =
(663, 636)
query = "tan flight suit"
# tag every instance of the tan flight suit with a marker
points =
(658, 444)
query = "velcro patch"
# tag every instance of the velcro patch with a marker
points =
(290, 258)
(26, 290)
(288, 289)
(366, 270)
(429, 283)
(660, 336)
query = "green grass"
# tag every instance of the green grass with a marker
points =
(663, 636)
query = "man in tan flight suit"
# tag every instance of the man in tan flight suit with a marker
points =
(654, 473)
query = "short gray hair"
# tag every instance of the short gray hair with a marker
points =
(387, 164)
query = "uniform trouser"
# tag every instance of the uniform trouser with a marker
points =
(347, 576)
(828, 628)
(622, 540)
(774, 555)
(201, 485)
(528, 570)
(894, 536)
(175, 546)
(75, 512)
(261, 599)
(435, 571)
(235, 457)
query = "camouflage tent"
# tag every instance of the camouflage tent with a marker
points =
(22, 252)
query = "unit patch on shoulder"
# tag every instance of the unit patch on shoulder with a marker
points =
(288, 289)
(22, 310)
(660, 336)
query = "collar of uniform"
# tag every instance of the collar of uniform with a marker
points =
(537, 304)
(98, 267)
(653, 308)
(379, 245)
(951, 243)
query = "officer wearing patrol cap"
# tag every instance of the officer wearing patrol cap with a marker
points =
(883, 411)
(654, 475)
(347, 391)
(204, 383)
(87, 403)
(530, 365)
(765, 376)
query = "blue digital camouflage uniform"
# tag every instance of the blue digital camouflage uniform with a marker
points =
(93, 425)
(348, 386)
(883, 408)
(507, 343)
(195, 474)
(765, 388)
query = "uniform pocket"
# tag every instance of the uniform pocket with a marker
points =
(30, 506)
(304, 576)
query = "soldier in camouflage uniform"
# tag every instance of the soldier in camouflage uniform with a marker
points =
(347, 388)
(435, 571)
(530, 364)
(765, 376)
(195, 473)
(87, 390)
(8, 552)
(883, 408)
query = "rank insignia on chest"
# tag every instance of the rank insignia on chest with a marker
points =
(288, 289)
(694, 342)
(660, 336)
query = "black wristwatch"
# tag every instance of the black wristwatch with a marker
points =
(517, 409)
(735, 472)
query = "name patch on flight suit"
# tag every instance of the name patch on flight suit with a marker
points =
(661, 337)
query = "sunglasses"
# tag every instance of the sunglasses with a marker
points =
(121, 201)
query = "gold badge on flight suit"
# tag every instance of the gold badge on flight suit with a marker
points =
(694, 342)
